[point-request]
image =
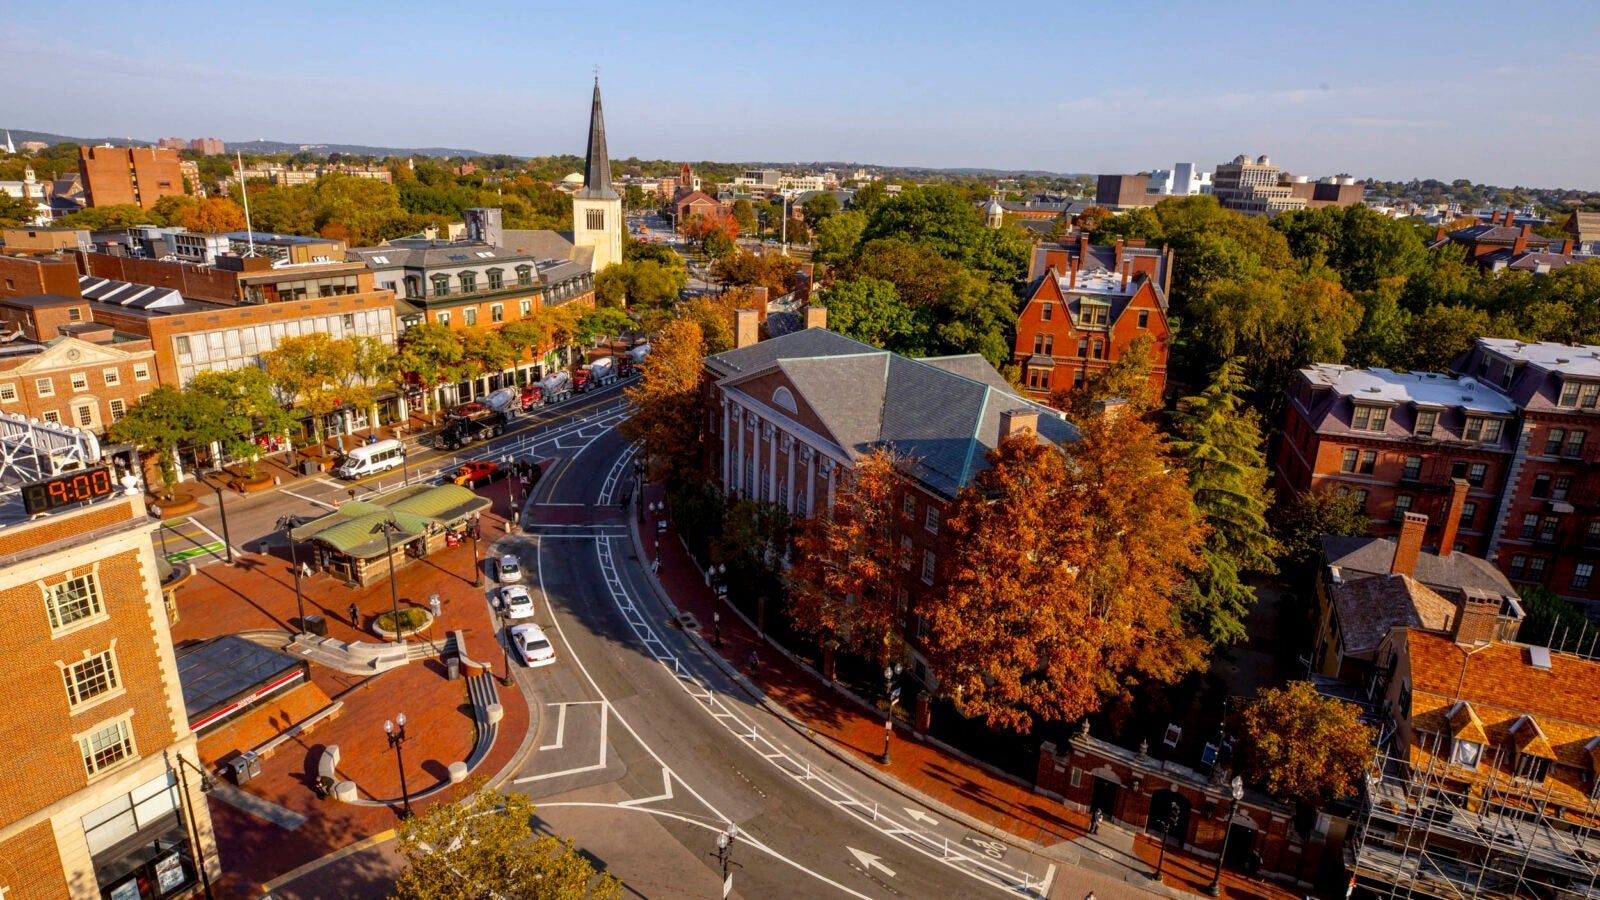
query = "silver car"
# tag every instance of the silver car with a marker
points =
(508, 569)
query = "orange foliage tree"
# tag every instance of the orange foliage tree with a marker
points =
(1057, 593)
(213, 215)
(849, 565)
(1302, 746)
(668, 402)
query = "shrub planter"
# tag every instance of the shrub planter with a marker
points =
(416, 621)
(250, 485)
(183, 501)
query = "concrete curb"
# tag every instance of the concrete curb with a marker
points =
(535, 720)
(823, 742)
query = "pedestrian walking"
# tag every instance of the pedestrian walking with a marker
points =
(355, 616)
(754, 660)
(433, 605)
(1094, 822)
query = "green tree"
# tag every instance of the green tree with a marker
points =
(309, 372)
(1384, 336)
(752, 542)
(486, 846)
(633, 197)
(1441, 333)
(818, 208)
(1552, 621)
(1362, 245)
(745, 215)
(15, 211)
(869, 310)
(868, 196)
(1303, 520)
(715, 320)
(1127, 378)
(118, 215)
(483, 350)
(973, 315)
(941, 219)
(1218, 441)
(430, 355)
(837, 239)
(249, 408)
(603, 321)
(168, 418)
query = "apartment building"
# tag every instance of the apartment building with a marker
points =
(791, 415)
(1085, 304)
(1501, 244)
(59, 366)
(136, 175)
(1261, 188)
(101, 794)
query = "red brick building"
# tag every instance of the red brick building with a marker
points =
(1520, 424)
(1501, 244)
(697, 203)
(66, 369)
(138, 175)
(1085, 304)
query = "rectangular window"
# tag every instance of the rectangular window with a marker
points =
(74, 314)
(1574, 445)
(85, 415)
(930, 564)
(1541, 486)
(1369, 418)
(1553, 441)
(1562, 488)
(1519, 564)
(497, 312)
(1475, 427)
(526, 308)
(1589, 396)
(1548, 528)
(1582, 574)
(596, 219)
(180, 344)
(1038, 344)
(44, 387)
(1361, 499)
(90, 678)
(1476, 473)
(905, 552)
(1349, 462)
(930, 522)
(469, 316)
(1369, 461)
(1569, 394)
(118, 409)
(1426, 420)
(443, 318)
(1083, 347)
(1046, 310)
(141, 372)
(1099, 349)
(111, 376)
(909, 505)
(8, 392)
(1530, 526)
(1469, 511)
(1144, 318)
(1380, 419)
(73, 600)
(1536, 568)
(1491, 430)
(1413, 469)
(1402, 505)
(1049, 345)
(497, 279)
(524, 276)
(469, 282)
(107, 746)
(52, 416)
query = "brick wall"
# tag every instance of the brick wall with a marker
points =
(30, 866)
(21, 277)
(192, 281)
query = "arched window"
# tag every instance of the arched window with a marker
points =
(783, 398)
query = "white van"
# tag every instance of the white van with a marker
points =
(372, 459)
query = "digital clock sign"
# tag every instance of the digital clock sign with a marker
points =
(63, 490)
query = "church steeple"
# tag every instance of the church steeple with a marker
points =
(597, 164)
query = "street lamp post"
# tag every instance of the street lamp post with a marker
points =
(161, 528)
(388, 526)
(227, 540)
(724, 856)
(638, 486)
(1166, 823)
(397, 739)
(477, 570)
(719, 581)
(187, 807)
(1236, 788)
(891, 693)
(294, 560)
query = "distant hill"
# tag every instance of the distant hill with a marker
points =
(18, 135)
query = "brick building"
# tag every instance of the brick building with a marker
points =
(791, 415)
(208, 146)
(1124, 192)
(137, 175)
(1501, 244)
(1519, 424)
(101, 792)
(1085, 303)
(1261, 188)
(64, 368)
(1397, 440)
(697, 203)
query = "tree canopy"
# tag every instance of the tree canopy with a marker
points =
(667, 401)
(1301, 746)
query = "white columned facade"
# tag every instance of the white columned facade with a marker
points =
(770, 432)
(727, 449)
(738, 488)
(789, 447)
(811, 482)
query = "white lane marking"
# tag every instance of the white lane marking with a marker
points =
(561, 727)
(934, 846)
(666, 791)
(744, 836)
(1049, 879)
(869, 862)
(322, 503)
(920, 816)
(604, 717)
(214, 536)
(608, 492)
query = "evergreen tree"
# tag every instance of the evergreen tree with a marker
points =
(1218, 440)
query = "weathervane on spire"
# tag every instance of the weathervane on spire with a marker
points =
(597, 73)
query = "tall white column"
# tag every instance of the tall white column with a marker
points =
(738, 488)
(811, 482)
(790, 445)
(727, 449)
(771, 434)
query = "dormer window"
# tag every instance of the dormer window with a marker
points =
(1466, 754)
(1369, 418)
(1427, 420)
(1482, 430)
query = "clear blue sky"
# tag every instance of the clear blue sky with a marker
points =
(1489, 91)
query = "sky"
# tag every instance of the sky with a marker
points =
(1492, 92)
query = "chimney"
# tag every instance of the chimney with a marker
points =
(746, 327)
(1409, 545)
(1110, 408)
(1127, 270)
(1521, 243)
(1116, 259)
(1477, 617)
(1018, 421)
(816, 316)
(1072, 280)
(1083, 244)
(1566, 247)
(1452, 516)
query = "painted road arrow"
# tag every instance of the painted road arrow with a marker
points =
(920, 816)
(868, 861)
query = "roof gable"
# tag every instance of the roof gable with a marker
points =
(72, 353)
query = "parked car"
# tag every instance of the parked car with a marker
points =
(532, 646)
(516, 602)
(478, 472)
(508, 569)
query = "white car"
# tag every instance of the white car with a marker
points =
(532, 646)
(508, 569)
(516, 602)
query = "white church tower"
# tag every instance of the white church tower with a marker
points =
(597, 209)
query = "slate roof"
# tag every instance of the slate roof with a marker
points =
(540, 243)
(1369, 607)
(941, 414)
(1370, 557)
(596, 162)
(1495, 234)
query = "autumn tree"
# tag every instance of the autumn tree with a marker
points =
(483, 350)
(249, 407)
(485, 846)
(168, 418)
(309, 372)
(1127, 378)
(1303, 520)
(213, 215)
(1218, 441)
(715, 319)
(430, 355)
(668, 402)
(849, 564)
(1301, 746)
(1058, 592)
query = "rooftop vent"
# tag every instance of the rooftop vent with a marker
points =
(1539, 657)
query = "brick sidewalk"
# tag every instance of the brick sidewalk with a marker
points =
(258, 593)
(957, 783)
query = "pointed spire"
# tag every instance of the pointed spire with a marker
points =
(597, 165)
(12, 148)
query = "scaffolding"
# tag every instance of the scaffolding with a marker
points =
(1430, 832)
